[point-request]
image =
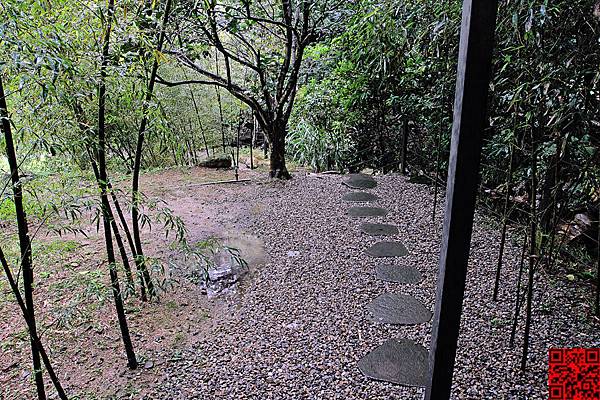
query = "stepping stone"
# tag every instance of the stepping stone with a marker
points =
(387, 249)
(360, 183)
(419, 179)
(398, 274)
(367, 212)
(379, 229)
(398, 309)
(361, 176)
(359, 196)
(402, 362)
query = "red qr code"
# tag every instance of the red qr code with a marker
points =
(574, 374)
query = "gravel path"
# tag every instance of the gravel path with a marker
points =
(300, 325)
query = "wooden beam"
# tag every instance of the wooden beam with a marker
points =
(219, 182)
(470, 106)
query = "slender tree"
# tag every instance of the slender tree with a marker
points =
(24, 240)
(532, 251)
(504, 222)
(513, 331)
(31, 327)
(135, 215)
(103, 185)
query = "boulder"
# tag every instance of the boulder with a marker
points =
(216, 162)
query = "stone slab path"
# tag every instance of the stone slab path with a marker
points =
(401, 362)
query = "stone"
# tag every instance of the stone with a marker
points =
(360, 176)
(367, 212)
(360, 183)
(402, 362)
(398, 309)
(398, 274)
(378, 229)
(387, 249)
(419, 179)
(360, 196)
(216, 162)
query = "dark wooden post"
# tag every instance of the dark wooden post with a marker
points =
(404, 145)
(474, 70)
(598, 264)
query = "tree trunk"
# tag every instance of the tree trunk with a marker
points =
(278, 168)
(103, 185)
(115, 228)
(15, 289)
(24, 239)
(140, 261)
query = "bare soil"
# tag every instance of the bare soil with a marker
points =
(83, 335)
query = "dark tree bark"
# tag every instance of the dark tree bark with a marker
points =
(505, 218)
(92, 154)
(135, 216)
(31, 327)
(115, 228)
(277, 166)
(532, 251)
(24, 240)
(103, 185)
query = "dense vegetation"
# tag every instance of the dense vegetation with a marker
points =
(95, 91)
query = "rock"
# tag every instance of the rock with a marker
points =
(387, 249)
(359, 197)
(378, 229)
(367, 212)
(359, 182)
(398, 274)
(402, 362)
(398, 309)
(216, 162)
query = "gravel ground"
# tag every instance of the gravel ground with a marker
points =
(299, 325)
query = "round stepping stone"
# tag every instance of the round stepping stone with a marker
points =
(360, 183)
(387, 249)
(402, 362)
(398, 274)
(367, 212)
(419, 179)
(379, 229)
(359, 196)
(360, 176)
(398, 309)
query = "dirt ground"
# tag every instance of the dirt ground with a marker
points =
(75, 311)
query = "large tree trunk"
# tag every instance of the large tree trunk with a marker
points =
(277, 136)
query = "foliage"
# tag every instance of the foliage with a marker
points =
(396, 61)
(318, 149)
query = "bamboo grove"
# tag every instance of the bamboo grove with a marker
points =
(119, 87)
